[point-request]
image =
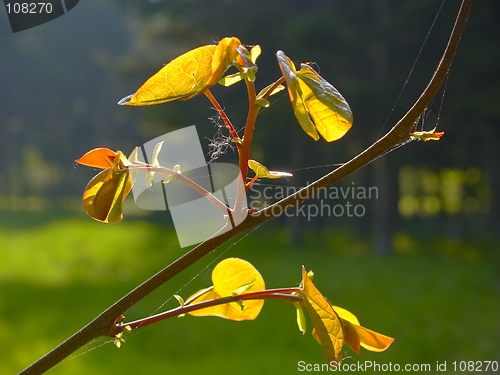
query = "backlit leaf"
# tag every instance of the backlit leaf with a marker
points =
(351, 337)
(262, 102)
(103, 196)
(371, 340)
(328, 110)
(327, 325)
(154, 162)
(301, 318)
(318, 106)
(262, 172)
(243, 289)
(187, 75)
(98, 158)
(357, 335)
(231, 79)
(255, 52)
(231, 276)
(267, 88)
(247, 61)
(427, 135)
(224, 55)
(176, 169)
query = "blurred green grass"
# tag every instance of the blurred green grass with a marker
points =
(57, 272)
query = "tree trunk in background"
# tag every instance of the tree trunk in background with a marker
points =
(385, 214)
(491, 169)
(296, 151)
(385, 170)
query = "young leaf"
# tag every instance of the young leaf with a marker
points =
(177, 169)
(327, 325)
(255, 52)
(154, 162)
(357, 335)
(244, 288)
(301, 318)
(267, 88)
(247, 60)
(98, 158)
(231, 79)
(224, 55)
(427, 135)
(187, 75)
(318, 106)
(103, 196)
(262, 172)
(230, 276)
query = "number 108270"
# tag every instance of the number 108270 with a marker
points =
(29, 8)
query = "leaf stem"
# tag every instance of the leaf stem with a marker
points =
(270, 294)
(185, 180)
(222, 115)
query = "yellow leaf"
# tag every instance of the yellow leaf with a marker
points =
(187, 75)
(427, 135)
(262, 172)
(255, 52)
(346, 315)
(327, 325)
(371, 340)
(318, 106)
(328, 109)
(224, 55)
(179, 299)
(228, 276)
(351, 337)
(231, 79)
(103, 196)
(368, 339)
(301, 318)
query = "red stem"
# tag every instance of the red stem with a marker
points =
(273, 87)
(178, 176)
(276, 294)
(222, 115)
(251, 182)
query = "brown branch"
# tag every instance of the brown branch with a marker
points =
(399, 134)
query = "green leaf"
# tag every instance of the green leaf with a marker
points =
(318, 106)
(231, 79)
(301, 318)
(262, 172)
(267, 88)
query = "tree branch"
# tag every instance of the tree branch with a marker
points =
(400, 133)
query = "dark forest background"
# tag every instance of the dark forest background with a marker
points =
(61, 82)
